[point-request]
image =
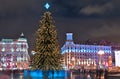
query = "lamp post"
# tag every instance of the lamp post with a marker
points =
(100, 53)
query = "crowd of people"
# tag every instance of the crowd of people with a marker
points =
(98, 72)
(101, 72)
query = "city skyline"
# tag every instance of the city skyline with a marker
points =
(86, 19)
(59, 39)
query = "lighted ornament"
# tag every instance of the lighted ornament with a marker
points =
(47, 6)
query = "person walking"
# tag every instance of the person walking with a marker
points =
(97, 73)
(100, 73)
(106, 74)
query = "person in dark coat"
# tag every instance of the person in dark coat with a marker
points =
(106, 74)
(97, 73)
(100, 73)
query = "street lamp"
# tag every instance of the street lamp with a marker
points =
(100, 53)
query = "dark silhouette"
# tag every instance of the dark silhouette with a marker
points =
(90, 71)
(100, 73)
(106, 74)
(97, 73)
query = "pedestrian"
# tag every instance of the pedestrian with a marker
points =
(97, 73)
(84, 71)
(100, 73)
(90, 71)
(79, 70)
(106, 74)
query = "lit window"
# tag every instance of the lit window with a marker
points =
(3, 49)
(17, 49)
(23, 50)
(12, 50)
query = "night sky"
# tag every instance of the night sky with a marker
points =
(87, 19)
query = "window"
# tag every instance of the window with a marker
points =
(3, 50)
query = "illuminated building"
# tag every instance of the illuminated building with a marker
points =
(14, 53)
(78, 55)
(117, 58)
(114, 46)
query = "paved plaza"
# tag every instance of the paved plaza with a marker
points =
(71, 76)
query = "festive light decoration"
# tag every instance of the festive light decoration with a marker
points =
(47, 56)
(47, 6)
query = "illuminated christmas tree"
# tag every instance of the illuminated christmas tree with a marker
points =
(47, 49)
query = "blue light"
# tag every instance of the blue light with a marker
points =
(69, 36)
(47, 6)
(39, 74)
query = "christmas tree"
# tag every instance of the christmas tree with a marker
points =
(47, 49)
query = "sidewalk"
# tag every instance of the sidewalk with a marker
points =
(114, 74)
(102, 77)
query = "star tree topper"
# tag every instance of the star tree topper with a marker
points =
(47, 6)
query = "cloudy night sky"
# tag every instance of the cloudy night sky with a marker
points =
(87, 19)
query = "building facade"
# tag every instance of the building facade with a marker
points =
(83, 55)
(117, 58)
(14, 53)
